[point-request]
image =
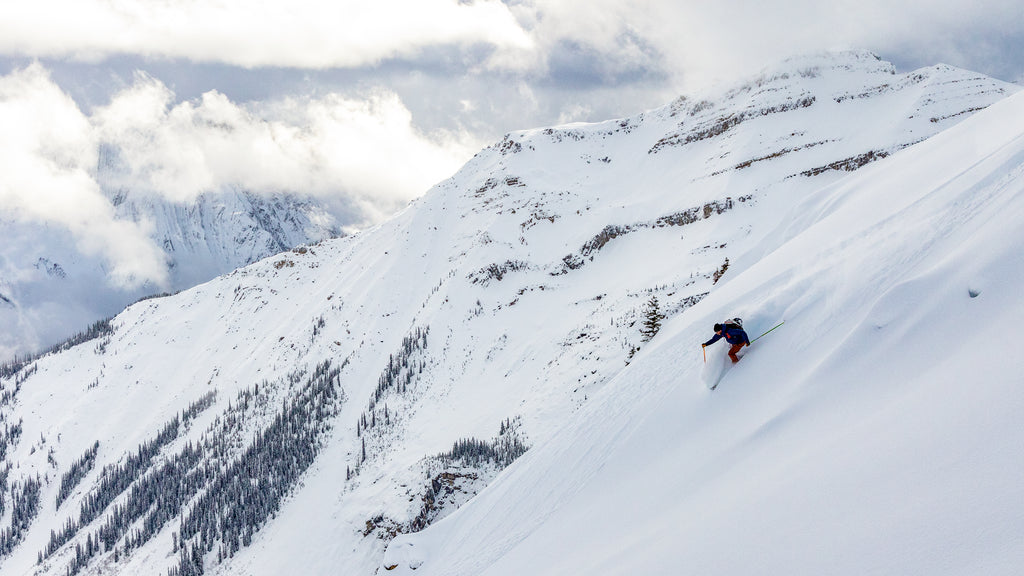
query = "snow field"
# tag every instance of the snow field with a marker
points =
(632, 468)
(876, 432)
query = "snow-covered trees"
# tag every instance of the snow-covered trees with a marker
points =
(25, 506)
(717, 275)
(78, 470)
(218, 505)
(652, 318)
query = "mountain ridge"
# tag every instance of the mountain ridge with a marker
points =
(513, 333)
(732, 482)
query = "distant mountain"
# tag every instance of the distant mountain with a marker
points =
(50, 288)
(471, 387)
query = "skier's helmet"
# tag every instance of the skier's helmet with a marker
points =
(718, 327)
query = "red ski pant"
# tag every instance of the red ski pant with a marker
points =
(732, 352)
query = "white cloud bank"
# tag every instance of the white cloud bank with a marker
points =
(297, 33)
(678, 37)
(365, 151)
(47, 155)
(695, 41)
(573, 44)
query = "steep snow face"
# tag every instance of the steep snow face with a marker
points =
(51, 287)
(288, 417)
(222, 232)
(876, 432)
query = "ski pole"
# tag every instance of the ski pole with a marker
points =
(769, 330)
(705, 351)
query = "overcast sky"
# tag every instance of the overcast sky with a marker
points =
(375, 101)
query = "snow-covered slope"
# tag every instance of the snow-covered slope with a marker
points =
(289, 417)
(50, 287)
(877, 431)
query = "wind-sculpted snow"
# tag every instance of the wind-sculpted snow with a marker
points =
(360, 381)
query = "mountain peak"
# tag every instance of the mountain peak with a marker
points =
(843, 60)
(312, 407)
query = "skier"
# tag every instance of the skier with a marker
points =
(734, 334)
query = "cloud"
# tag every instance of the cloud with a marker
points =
(47, 150)
(704, 41)
(61, 166)
(602, 53)
(692, 43)
(298, 33)
(596, 40)
(365, 149)
(591, 41)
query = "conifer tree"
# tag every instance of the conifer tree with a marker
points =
(652, 318)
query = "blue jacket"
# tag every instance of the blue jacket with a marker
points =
(732, 336)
